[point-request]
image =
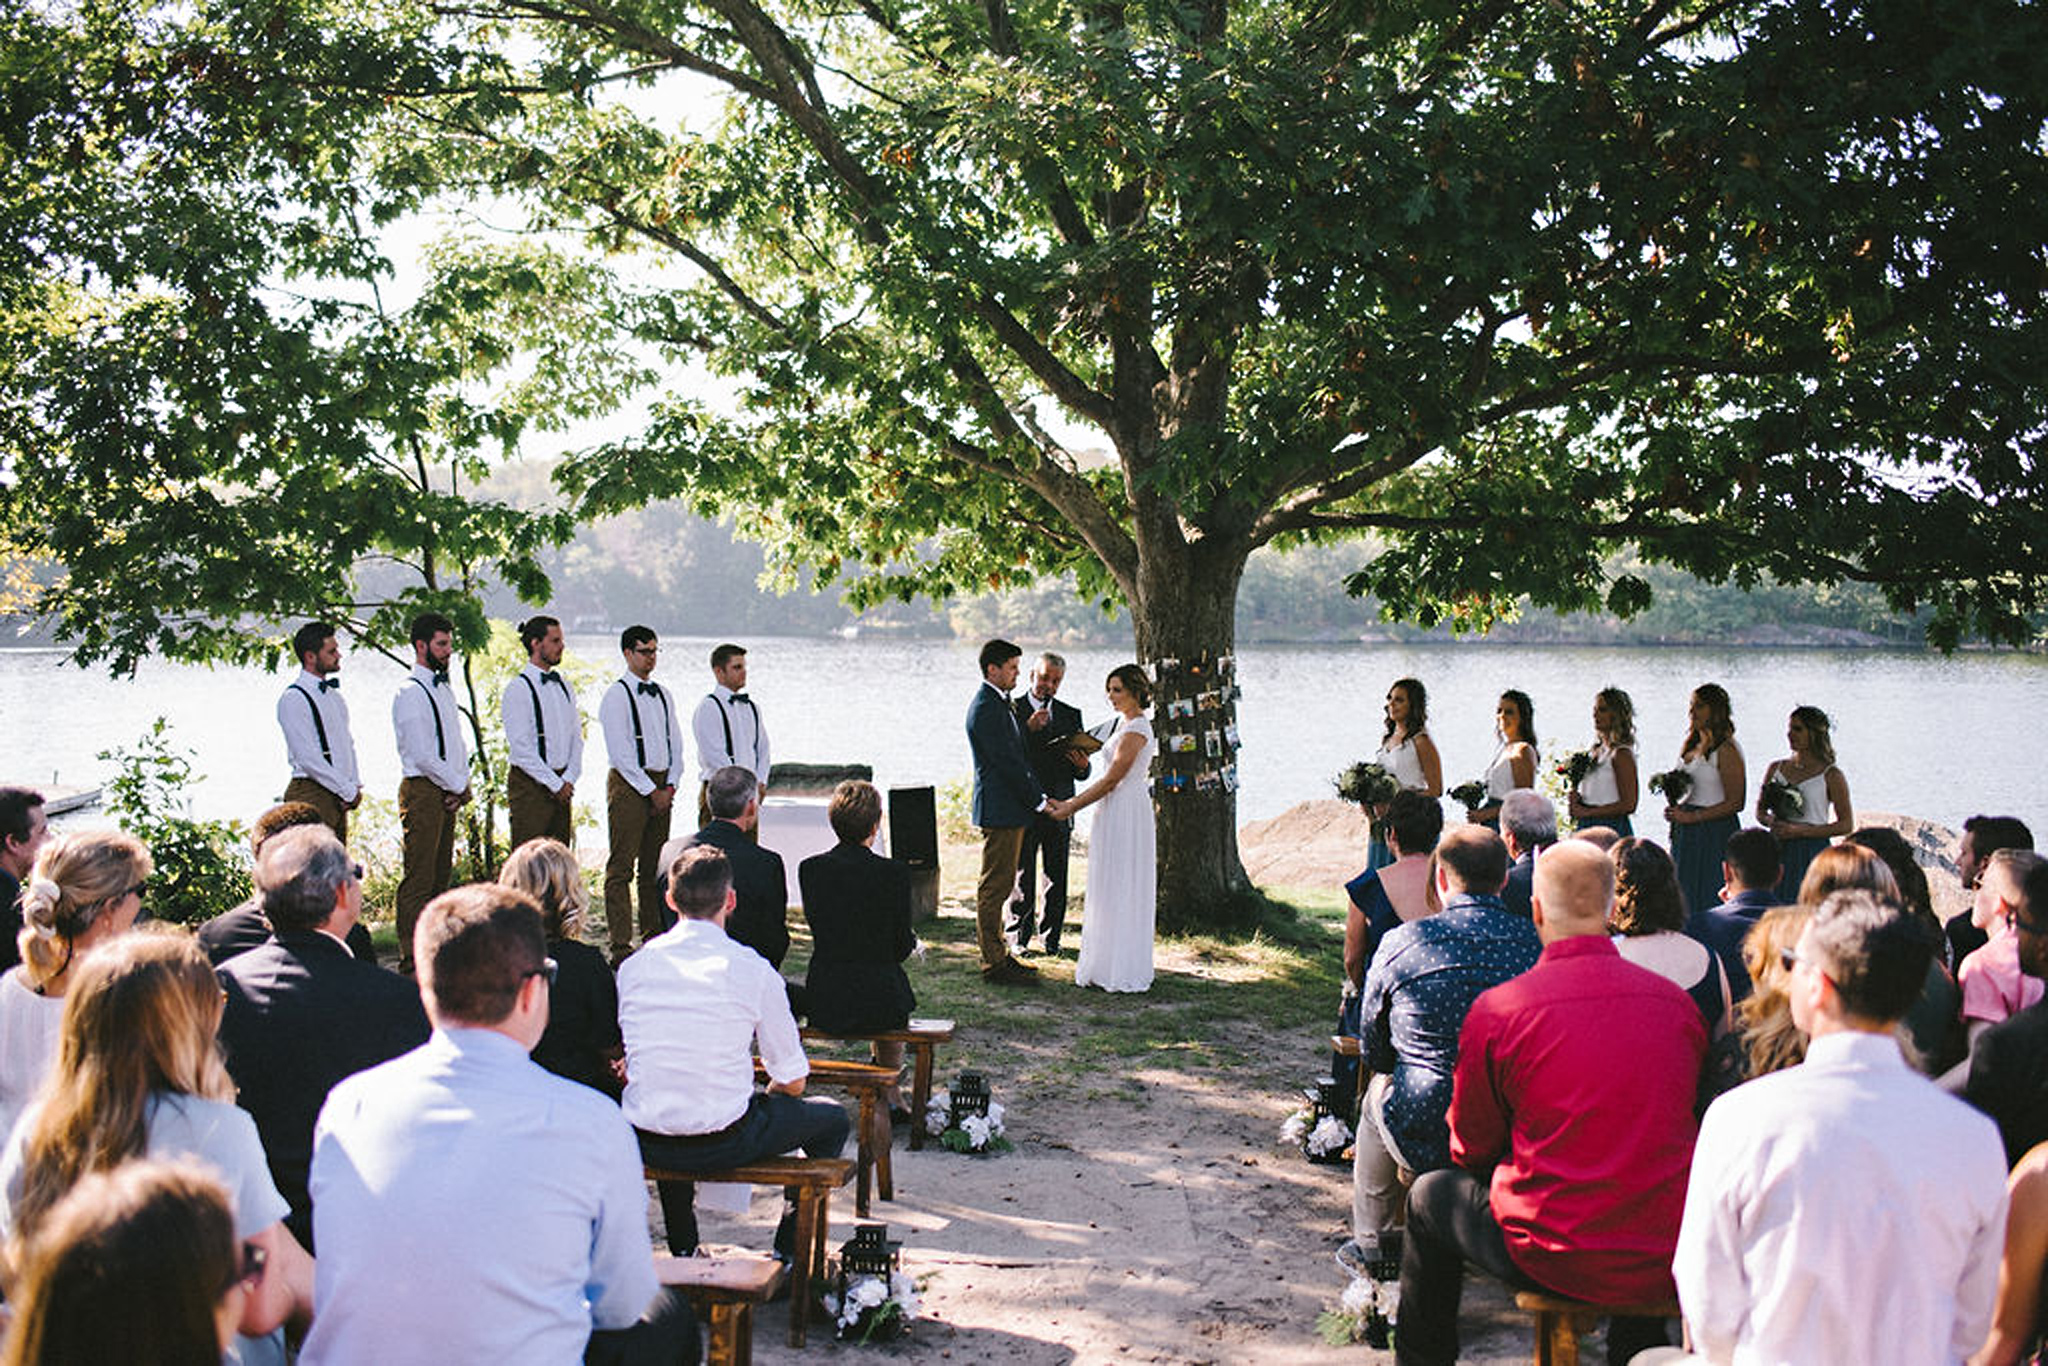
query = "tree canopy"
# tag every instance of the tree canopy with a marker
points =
(1754, 288)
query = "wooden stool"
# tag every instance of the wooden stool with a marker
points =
(1559, 1321)
(725, 1291)
(814, 1179)
(921, 1038)
(869, 1083)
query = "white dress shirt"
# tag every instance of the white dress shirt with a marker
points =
(692, 1005)
(1844, 1210)
(424, 749)
(749, 747)
(557, 756)
(326, 752)
(652, 743)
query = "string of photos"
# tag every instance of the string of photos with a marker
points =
(1195, 711)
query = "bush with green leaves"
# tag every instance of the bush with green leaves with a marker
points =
(202, 867)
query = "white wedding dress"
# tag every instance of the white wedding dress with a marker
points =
(1123, 877)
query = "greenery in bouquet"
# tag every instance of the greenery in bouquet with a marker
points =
(1673, 785)
(981, 1134)
(1470, 795)
(873, 1310)
(1367, 784)
(1781, 799)
(1364, 1315)
(1574, 767)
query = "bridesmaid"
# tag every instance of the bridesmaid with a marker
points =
(1514, 763)
(1810, 768)
(1700, 827)
(1407, 752)
(1607, 796)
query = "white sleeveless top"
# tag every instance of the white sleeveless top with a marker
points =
(1500, 774)
(1600, 787)
(1814, 792)
(1404, 763)
(1707, 787)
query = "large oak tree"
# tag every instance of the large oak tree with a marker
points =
(1753, 287)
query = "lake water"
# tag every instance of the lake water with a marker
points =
(1916, 733)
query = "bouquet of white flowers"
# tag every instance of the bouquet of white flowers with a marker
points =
(1321, 1140)
(974, 1134)
(1365, 1314)
(874, 1310)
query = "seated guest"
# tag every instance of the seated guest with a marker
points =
(2008, 1067)
(1380, 898)
(1422, 981)
(2016, 1326)
(23, 828)
(302, 1012)
(1571, 1127)
(694, 1004)
(85, 889)
(1649, 913)
(1930, 1023)
(1601, 837)
(1749, 878)
(137, 1075)
(760, 919)
(582, 1038)
(1982, 837)
(1528, 825)
(1844, 1210)
(136, 1264)
(471, 1206)
(858, 906)
(1770, 1041)
(244, 927)
(1994, 988)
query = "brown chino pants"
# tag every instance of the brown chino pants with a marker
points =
(637, 833)
(332, 813)
(534, 812)
(428, 852)
(1000, 847)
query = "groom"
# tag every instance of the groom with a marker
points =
(1006, 797)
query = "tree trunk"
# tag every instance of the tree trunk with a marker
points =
(1185, 618)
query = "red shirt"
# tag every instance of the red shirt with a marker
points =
(1577, 1079)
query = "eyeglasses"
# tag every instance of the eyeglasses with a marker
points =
(1788, 957)
(135, 891)
(254, 1259)
(548, 968)
(646, 650)
(355, 871)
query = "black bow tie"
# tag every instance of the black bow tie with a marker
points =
(649, 689)
(550, 676)
(330, 685)
(441, 678)
(742, 697)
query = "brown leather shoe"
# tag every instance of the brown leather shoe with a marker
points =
(1011, 973)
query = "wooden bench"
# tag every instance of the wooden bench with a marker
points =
(921, 1038)
(1559, 1321)
(724, 1291)
(813, 1179)
(1345, 1045)
(869, 1083)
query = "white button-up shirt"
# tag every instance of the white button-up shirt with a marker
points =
(561, 758)
(749, 747)
(1844, 1210)
(652, 743)
(424, 750)
(331, 764)
(692, 1005)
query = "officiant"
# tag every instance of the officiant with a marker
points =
(1050, 728)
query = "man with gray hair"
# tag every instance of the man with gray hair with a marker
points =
(302, 1012)
(1845, 1209)
(1049, 726)
(1528, 826)
(761, 918)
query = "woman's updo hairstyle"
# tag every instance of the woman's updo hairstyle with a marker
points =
(75, 878)
(1132, 676)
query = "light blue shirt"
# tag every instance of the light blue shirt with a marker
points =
(470, 1206)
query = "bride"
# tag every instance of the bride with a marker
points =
(1123, 876)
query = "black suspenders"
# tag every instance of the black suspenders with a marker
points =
(639, 745)
(434, 710)
(540, 724)
(319, 726)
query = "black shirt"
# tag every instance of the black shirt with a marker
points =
(2009, 1079)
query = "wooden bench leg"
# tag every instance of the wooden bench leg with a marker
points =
(1557, 1339)
(920, 1092)
(810, 1257)
(730, 1324)
(865, 1150)
(885, 1139)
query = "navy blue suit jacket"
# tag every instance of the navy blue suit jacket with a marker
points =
(1006, 791)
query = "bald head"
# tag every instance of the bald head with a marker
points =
(1573, 890)
(1472, 859)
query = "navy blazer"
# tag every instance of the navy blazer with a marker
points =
(1046, 747)
(760, 914)
(1006, 791)
(301, 1014)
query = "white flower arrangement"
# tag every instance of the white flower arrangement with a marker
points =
(1365, 1314)
(975, 1134)
(1330, 1135)
(874, 1309)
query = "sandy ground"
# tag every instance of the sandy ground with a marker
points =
(1147, 1214)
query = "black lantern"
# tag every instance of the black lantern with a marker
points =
(869, 1252)
(970, 1097)
(1325, 1099)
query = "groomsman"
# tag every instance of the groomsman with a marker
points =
(434, 758)
(728, 727)
(644, 745)
(314, 720)
(1049, 727)
(1006, 797)
(543, 739)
